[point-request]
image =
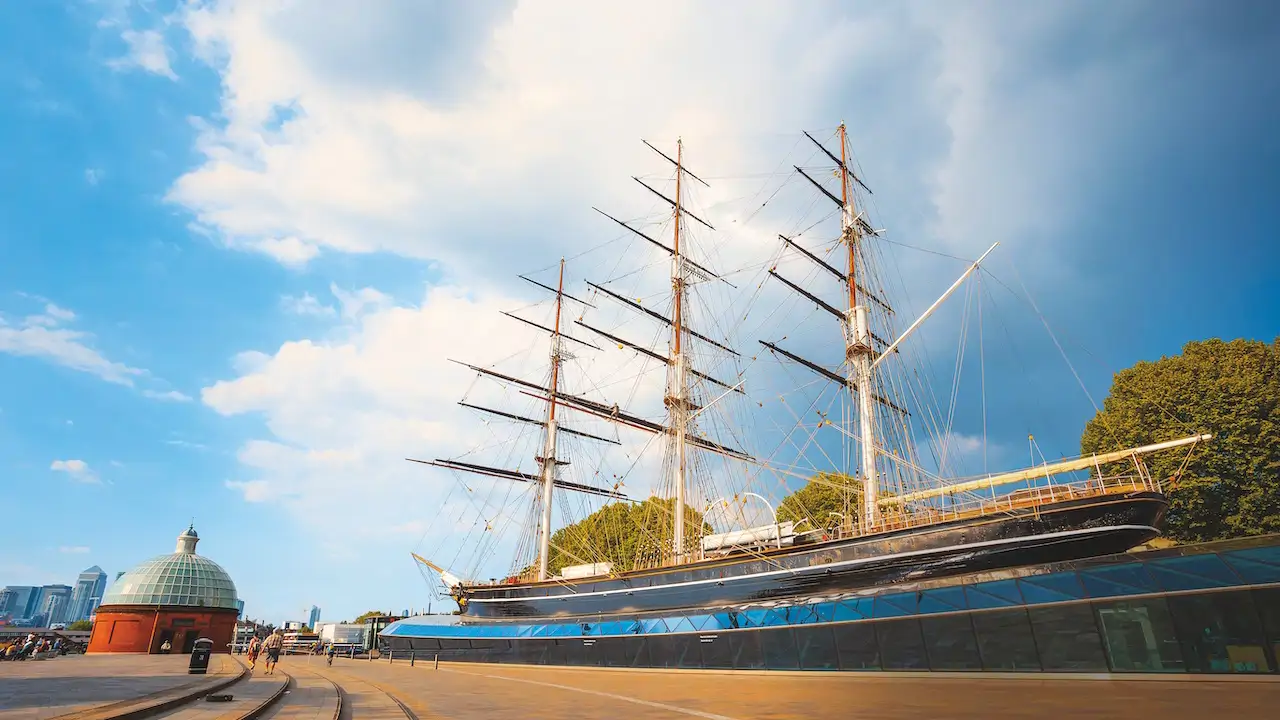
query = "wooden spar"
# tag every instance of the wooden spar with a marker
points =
(518, 476)
(831, 269)
(659, 316)
(548, 287)
(450, 580)
(1044, 470)
(673, 203)
(531, 421)
(675, 162)
(665, 249)
(838, 160)
(830, 375)
(554, 333)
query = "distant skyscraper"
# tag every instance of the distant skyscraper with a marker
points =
(14, 600)
(314, 618)
(54, 601)
(89, 586)
(120, 573)
(240, 609)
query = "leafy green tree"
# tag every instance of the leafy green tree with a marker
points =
(1231, 486)
(81, 625)
(629, 535)
(828, 500)
(365, 616)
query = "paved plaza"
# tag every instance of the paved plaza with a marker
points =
(103, 687)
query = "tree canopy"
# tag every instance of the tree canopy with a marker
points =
(828, 499)
(625, 534)
(1231, 487)
(366, 615)
(81, 625)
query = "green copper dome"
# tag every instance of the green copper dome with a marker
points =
(183, 579)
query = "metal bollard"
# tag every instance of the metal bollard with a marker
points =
(391, 657)
(437, 665)
(411, 656)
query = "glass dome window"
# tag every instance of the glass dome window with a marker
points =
(182, 578)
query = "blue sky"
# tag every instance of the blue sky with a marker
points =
(238, 240)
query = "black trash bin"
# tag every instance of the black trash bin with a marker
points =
(200, 657)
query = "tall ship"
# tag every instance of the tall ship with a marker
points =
(693, 548)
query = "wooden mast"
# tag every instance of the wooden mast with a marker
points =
(549, 451)
(678, 401)
(858, 349)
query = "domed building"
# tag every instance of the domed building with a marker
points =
(177, 598)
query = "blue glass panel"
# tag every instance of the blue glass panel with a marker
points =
(853, 609)
(724, 621)
(702, 622)
(895, 605)
(1127, 579)
(652, 626)
(680, 625)
(525, 630)
(753, 618)
(1192, 572)
(1268, 555)
(562, 630)
(798, 614)
(942, 600)
(541, 630)
(1253, 571)
(775, 618)
(826, 612)
(999, 593)
(1051, 588)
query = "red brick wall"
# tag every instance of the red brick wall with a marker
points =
(139, 629)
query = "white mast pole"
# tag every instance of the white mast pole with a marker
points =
(549, 450)
(677, 401)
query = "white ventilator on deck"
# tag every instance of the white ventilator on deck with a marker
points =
(782, 534)
(571, 572)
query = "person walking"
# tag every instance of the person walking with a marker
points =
(272, 646)
(255, 647)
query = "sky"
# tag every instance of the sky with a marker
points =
(240, 241)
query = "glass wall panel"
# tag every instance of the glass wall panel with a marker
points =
(1005, 640)
(1138, 636)
(1067, 638)
(688, 652)
(817, 647)
(1220, 632)
(637, 651)
(716, 651)
(856, 646)
(746, 650)
(664, 650)
(1268, 604)
(901, 646)
(779, 649)
(949, 643)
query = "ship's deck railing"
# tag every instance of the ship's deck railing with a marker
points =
(1050, 490)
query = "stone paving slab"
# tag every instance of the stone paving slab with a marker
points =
(79, 684)
(312, 697)
(465, 691)
(247, 694)
(363, 697)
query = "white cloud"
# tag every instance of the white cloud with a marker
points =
(74, 549)
(44, 337)
(167, 396)
(306, 305)
(187, 444)
(488, 154)
(147, 50)
(77, 470)
(93, 176)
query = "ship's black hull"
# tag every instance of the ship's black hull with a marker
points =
(1055, 532)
